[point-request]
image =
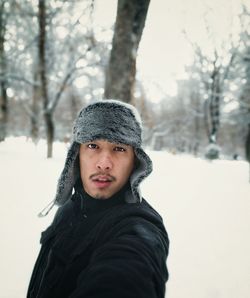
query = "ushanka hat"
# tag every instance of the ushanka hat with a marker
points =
(116, 122)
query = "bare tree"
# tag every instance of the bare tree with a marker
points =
(62, 62)
(43, 76)
(121, 71)
(3, 79)
(35, 104)
(213, 72)
(244, 99)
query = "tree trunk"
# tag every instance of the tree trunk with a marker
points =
(212, 108)
(3, 81)
(215, 107)
(121, 71)
(43, 77)
(35, 108)
(4, 111)
(49, 132)
(247, 144)
(247, 148)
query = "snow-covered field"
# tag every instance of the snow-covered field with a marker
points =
(205, 206)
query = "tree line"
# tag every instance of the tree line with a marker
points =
(54, 61)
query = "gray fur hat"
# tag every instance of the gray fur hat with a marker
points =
(116, 122)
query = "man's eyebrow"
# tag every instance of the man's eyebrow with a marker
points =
(121, 144)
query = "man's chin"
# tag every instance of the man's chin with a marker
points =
(99, 196)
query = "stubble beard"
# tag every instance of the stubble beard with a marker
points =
(100, 197)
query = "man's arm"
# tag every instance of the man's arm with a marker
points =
(131, 265)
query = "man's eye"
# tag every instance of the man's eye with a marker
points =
(92, 146)
(120, 149)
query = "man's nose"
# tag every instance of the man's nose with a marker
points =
(104, 163)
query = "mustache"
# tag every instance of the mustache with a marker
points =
(96, 175)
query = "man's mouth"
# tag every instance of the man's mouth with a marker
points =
(102, 181)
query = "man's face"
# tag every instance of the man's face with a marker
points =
(105, 167)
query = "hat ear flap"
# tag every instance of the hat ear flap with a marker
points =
(142, 170)
(69, 175)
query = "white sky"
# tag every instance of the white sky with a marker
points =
(164, 51)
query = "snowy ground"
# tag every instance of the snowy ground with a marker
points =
(205, 206)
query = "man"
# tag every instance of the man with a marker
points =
(105, 240)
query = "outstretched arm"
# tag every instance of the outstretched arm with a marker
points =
(131, 265)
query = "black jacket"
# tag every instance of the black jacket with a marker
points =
(102, 249)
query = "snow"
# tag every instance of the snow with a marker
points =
(205, 207)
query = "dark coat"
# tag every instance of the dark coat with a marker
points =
(116, 252)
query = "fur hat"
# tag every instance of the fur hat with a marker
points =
(116, 122)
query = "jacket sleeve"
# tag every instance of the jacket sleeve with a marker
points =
(131, 264)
